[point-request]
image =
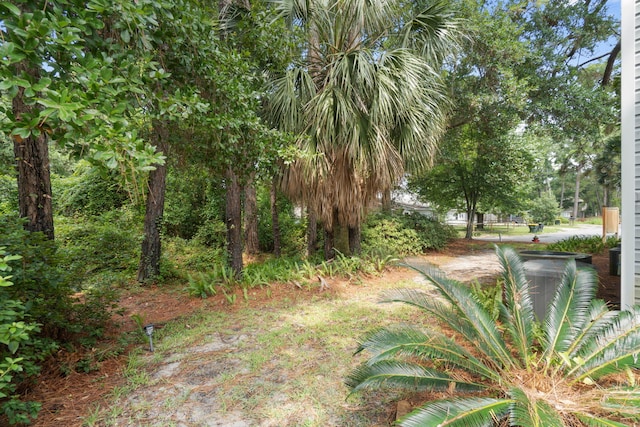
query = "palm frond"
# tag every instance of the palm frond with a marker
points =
(405, 341)
(569, 310)
(593, 421)
(625, 402)
(527, 412)
(434, 31)
(475, 318)
(518, 314)
(600, 318)
(405, 375)
(616, 348)
(471, 412)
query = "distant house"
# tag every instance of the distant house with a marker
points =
(630, 257)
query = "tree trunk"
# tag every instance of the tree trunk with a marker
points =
(562, 195)
(149, 266)
(576, 194)
(233, 213)
(275, 219)
(354, 240)
(32, 163)
(470, 216)
(480, 221)
(386, 201)
(251, 217)
(312, 231)
(329, 251)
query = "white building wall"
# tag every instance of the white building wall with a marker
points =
(630, 268)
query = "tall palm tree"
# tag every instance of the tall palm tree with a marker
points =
(366, 99)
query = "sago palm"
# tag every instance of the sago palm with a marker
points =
(514, 371)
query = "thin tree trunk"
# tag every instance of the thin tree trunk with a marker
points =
(233, 213)
(312, 231)
(471, 212)
(386, 201)
(275, 219)
(329, 251)
(355, 239)
(562, 195)
(149, 266)
(251, 217)
(576, 194)
(32, 163)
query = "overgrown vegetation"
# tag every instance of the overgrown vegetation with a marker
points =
(516, 370)
(38, 312)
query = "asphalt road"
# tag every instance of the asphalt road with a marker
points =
(547, 237)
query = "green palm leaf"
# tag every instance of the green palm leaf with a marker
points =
(472, 412)
(600, 318)
(625, 402)
(404, 375)
(486, 333)
(518, 314)
(614, 349)
(387, 343)
(491, 344)
(526, 412)
(569, 309)
(593, 421)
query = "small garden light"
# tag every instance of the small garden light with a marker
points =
(148, 329)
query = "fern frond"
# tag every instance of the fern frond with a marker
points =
(478, 412)
(405, 375)
(405, 341)
(518, 315)
(569, 309)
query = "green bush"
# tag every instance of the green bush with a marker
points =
(89, 191)
(584, 244)
(404, 234)
(100, 248)
(8, 194)
(20, 350)
(544, 209)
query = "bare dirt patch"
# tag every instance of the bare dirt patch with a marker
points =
(196, 385)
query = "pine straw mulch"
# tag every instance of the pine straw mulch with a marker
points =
(68, 396)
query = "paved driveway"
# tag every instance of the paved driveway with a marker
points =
(547, 237)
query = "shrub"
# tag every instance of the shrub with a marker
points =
(514, 371)
(20, 351)
(584, 244)
(100, 248)
(544, 209)
(90, 191)
(404, 234)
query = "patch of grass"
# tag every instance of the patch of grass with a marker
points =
(287, 369)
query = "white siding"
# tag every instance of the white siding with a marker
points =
(630, 257)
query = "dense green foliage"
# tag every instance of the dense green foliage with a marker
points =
(544, 209)
(404, 234)
(38, 312)
(515, 371)
(584, 244)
